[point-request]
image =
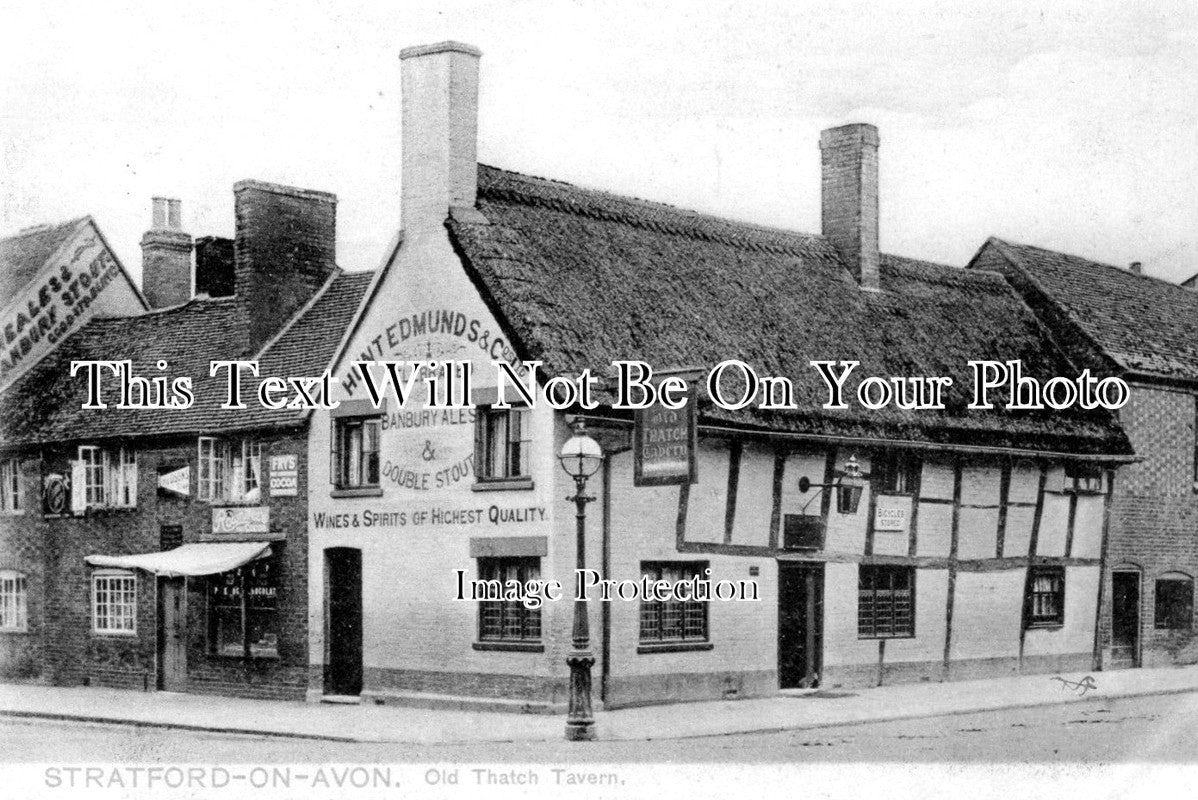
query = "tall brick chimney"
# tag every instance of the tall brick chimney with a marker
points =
(849, 189)
(284, 249)
(440, 133)
(166, 256)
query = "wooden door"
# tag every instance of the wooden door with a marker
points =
(172, 634)
(800, 624)
(1125, 619)
(343, 667)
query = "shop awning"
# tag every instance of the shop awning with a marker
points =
(204, 558)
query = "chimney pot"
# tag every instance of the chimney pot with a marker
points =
(166, 275)
(1136, 268)
(849, 198)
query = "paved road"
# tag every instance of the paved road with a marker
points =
(1147, 729)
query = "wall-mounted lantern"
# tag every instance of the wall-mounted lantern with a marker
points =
(849, 484)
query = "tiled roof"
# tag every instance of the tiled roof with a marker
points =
(582, 278)
(1135, 322)
(24, 254)
(44, 404)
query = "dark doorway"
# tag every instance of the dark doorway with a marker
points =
(1125, 619)
(343, 579)
(172, 634)
(800, 624)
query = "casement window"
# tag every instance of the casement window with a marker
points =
(501, 439)
(10, 485)
(104, 478)
(508, 620)
(114, 602)
(1084, 478)
(355, 457)
(895, 472)
(243, 611)
(13, 615)
(1174, 603)
(230, 470)
(885, 602)
(673, 621)
(1045, 596)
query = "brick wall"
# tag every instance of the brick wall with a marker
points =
(61, 644)
(1154, 520)
(284, 250)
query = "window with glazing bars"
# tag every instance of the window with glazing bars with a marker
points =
(885, 602)
(1046, 596)
(508, 620)
(114, 603)
(356, 452)
(502, 443)
(13, 615)
(673, 620)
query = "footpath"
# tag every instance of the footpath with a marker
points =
(785, 711)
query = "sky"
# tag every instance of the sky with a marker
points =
(1071, 126)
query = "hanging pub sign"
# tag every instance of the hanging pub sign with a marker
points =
(665, 440)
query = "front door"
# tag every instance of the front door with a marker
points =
(800, 624)
(172, 634)
(343, 667)
(1125, 619)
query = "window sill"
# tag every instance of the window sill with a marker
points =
(12, 512)
(1042, 626)
(880, 638)
(242, 657)
(360, 491)
(115, 634)
(674, 647)
(511, 647)
(16, 631)
(502, 484)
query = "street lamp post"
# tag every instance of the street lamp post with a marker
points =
(580, 457)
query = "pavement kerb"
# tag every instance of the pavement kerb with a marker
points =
(732, 730)
(960, 712)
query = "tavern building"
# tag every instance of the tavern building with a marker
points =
(165, 548)
(974, 549)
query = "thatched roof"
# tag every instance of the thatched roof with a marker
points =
(1105, 315)
(581, 278)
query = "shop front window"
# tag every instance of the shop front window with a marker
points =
(243, 615)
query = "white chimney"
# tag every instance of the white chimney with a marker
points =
(440, 132)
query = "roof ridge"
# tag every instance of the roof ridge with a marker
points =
(42, 227)
(1105, 264)
(504, 184)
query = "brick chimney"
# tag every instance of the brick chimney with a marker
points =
(849, 194)
(284, 250)
(440, 133)
(214, 266)
(166, 256)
